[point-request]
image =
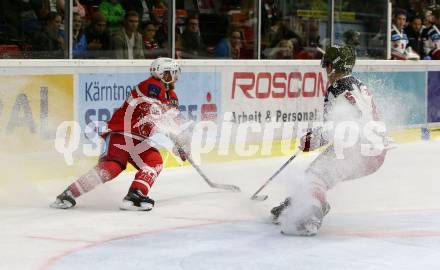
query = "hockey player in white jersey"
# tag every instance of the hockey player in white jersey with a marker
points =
(347, 99)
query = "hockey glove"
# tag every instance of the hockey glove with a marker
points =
(182, 147)
(182, 154)
(311, 141)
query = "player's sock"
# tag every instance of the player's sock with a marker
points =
(144, 180)
(103, 172)
(137, 199)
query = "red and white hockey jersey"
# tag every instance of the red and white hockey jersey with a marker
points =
(147, 100)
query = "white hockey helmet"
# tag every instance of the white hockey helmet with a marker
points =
(162, 64)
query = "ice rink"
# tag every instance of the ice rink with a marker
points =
(389, 220)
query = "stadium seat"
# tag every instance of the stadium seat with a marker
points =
(10, 52)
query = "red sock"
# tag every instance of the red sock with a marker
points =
(103, 172)
(319, 192)
(144, 180)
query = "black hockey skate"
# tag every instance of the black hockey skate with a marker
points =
(136, 201)
(277, 210)
(64, 201)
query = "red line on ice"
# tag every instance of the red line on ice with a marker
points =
(51, 261)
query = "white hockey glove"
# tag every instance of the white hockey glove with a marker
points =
(182, 146)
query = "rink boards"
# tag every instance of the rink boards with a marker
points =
(37, 96)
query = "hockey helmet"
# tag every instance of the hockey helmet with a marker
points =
(163, 64)
(342, 58)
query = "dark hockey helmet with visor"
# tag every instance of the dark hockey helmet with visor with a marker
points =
(342, 58)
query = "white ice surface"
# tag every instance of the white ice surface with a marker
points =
(389, 220)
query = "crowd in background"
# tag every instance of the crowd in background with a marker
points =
(415, 34)
(228, 29)
(109, 29)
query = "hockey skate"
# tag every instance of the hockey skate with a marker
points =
(277, 210)
(136, 201)
(310, 227)
(64, 201)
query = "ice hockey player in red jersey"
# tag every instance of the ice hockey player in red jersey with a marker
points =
(347, 99)
(126, 140)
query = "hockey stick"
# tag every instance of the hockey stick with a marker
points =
(212, 184)
(257, 197)
(195, 166)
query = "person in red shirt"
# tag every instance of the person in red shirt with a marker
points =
(126, 140)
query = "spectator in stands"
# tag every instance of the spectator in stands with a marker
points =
(351, 38)
(205, 6)
(151, 11)
(159, 15)
(46, 6)
(269, 15)
(114, 13)
(193, 45)
(414, 33)
(283, 50)
(428, 19)
(10, 24)
(79, 43)
(431, 34)
(229, 47)
(178, 45)
(60, 4)
(150, 43)
(140, 6)
(30, 16)
(127, 43)
(416, 8)
(279, 31)
(78, 8)
(399, 39)
(98, 39)
(49, 43)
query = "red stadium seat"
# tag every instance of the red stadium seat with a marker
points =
(10, 52)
